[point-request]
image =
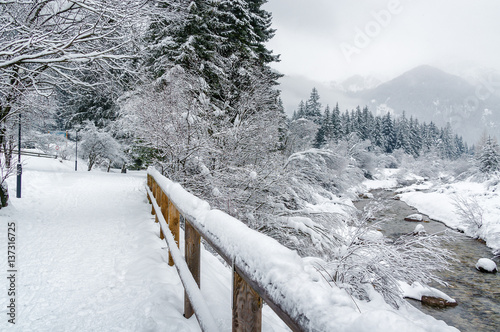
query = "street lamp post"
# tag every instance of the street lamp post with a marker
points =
(19, 165)
(76, 149)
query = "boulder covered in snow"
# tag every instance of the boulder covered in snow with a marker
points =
(419, 230)
(427, 295)
(486, 265)
(415, 217)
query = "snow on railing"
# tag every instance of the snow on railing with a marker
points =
(263, 269)
(38, 154)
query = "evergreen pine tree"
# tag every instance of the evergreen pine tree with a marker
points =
(459, 144)
(489, 157)
(367, 124)
(346, 124)
(313, 107)
(355, 121)
(326, 123)
(446, 144)
(378, 138)
(403, 135)
(388, 133)
(336, 124)
(415, 137)
(432, 136)
(301, 112)
(320, 138)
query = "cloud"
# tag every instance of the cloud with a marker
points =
(387, 36)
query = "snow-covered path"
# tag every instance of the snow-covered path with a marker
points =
(89, 258)
(88, 255)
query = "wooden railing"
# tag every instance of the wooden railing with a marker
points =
(248, 294)
(38, 154)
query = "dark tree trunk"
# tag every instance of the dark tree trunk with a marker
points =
(4, 195)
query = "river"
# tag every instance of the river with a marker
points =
(477, 293)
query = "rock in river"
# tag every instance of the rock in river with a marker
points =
(486, 265)
(415, 217)
(437, 302)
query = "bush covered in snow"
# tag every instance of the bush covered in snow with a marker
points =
(470, 212)
(361, 259)
(99, 147)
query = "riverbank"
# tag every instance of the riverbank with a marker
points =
(440, 200)
(476, 293)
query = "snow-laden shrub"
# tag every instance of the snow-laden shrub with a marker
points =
(471, 214)
(357, 151)
(461, 167)
(361, 259)
(384, 160)
(332, 168)
(99, 147)
(301, 134)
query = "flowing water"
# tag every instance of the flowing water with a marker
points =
(477, 293)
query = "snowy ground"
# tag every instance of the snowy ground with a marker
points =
(88, 258)
(437, 199)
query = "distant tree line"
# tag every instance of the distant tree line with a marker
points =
(383, 131)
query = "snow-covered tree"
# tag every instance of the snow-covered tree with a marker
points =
(313, 107)
(44, 45)
(99, 147)
(489, 156)
(300, 112)
(403, 132)
(389, 133)
(415, 137)
(336, 124)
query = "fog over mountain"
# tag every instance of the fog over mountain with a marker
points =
(424, 92)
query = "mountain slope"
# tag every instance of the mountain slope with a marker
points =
(433, 95)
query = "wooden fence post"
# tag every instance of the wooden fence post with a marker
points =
(149, 186)
(192, 254)
(247, 306)
(153, 189)
(159, 201)
(164, 211)
(173, 224)
(157, 191)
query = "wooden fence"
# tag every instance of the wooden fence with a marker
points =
(37, 154)
(248, 295)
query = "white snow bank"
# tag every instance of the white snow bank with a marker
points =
(383, 183)
(440, 205)
(388, 178)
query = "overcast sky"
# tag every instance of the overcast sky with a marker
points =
(330, 40)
